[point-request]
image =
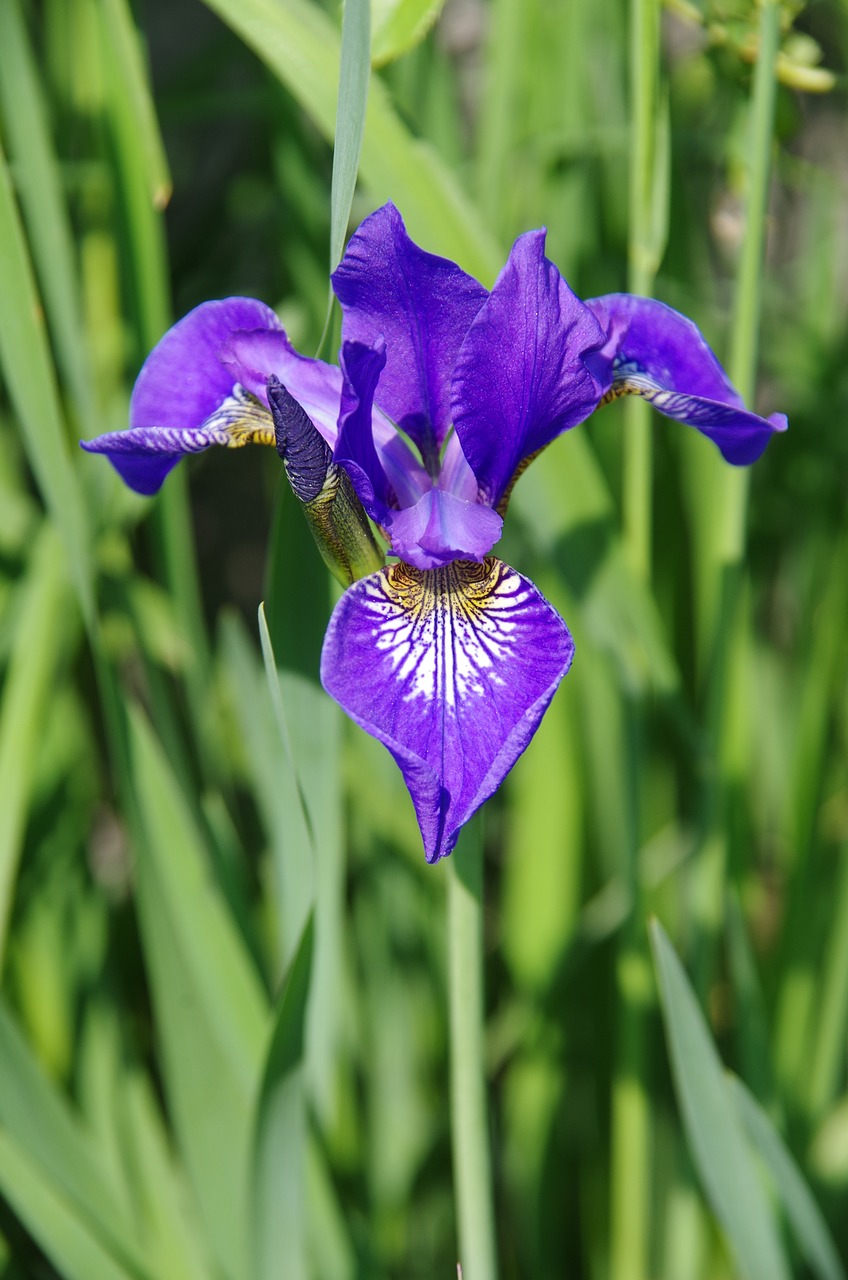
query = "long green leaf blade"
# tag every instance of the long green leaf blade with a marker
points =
(279, 1153)
(44, 1134)
(42, 199)
(26, 690)
(62, 1234)
(28, 374)
(716, 1140)
(807, 1221)
(209, 1006)
(354, 75)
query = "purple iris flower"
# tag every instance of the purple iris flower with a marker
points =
(445, 392)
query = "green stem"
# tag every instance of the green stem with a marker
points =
(630, 1102)
(723, 562)
(642, 265)
(469, 1111)
(748, 298)
(630, 1207)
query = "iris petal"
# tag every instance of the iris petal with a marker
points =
(521, 378)
(451, 669)
(355, 449)
(422, 305)
(183, 380)
(655, 352)
(317, 387)
(441, 527)
(143, 456)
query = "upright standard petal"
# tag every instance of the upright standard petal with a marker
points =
(452, 669)
(521, 378)
(422, 305)
(655, 352)
(355, 449)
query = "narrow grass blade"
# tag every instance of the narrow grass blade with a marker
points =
(309, 730)
(28, 373)
(499, 118)
(827, 1054)
(716, 1140)
(272, 675)
(354, 74)
(209, 1006)
(276, 790)
(330, 1247)
(301, 45)
(28, 685)
(754, 1050)
(66, 1239)
(804, 1215)
(39, 184)
(279, 1144)
(542, 869)
(399, 25)
(129, 63)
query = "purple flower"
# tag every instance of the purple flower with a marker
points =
(445, 392)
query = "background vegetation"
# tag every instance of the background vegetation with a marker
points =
(182, 1096)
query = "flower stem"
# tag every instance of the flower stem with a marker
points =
(642, 265)
(722, 569)
(630, 1109)
(748, 298)
(469, 1112)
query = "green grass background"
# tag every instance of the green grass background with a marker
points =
(223, 1026)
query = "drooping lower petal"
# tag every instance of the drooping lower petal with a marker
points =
(422, 305)
(655, 352)
(451, 669)
(183, 380)
(143, 456)
(521, 378)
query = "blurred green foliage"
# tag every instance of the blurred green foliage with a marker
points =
(223, 1030)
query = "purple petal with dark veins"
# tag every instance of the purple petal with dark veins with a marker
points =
(252, 358)
(355, 450)
(183, 380)
(422, 305)
(451, 669)
(521, 379)
(440, 528)
(143, 456)
(655, 352)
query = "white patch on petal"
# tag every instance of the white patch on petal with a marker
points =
(447, 631)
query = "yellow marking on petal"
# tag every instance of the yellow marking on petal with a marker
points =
(243, 419)
(516, 476)
(242, 433)
(634, 384)
(448, 630)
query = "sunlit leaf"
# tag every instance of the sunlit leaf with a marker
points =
(399, 25)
